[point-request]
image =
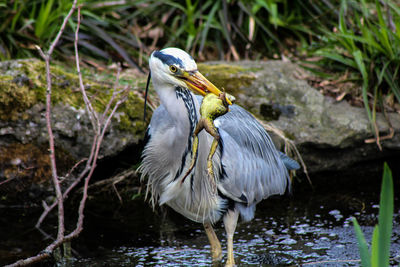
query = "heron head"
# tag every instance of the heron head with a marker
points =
(176, 67)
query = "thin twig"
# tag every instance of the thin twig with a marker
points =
(74, 167)
(100, 130)
(54, 175)
(99, 127)
(89, 108)
(56, 183)
(7, 180)
(114, 93)
(115, 179)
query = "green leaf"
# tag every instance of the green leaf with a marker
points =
(361, 67)
(394, 86)
(204, 32)
(337, 57)
(366, 39)
(348, 43)
(394, 7)
(43, 18)
(385, 217)
(16, 16)
(375, 248)
(260, 23)
(383, 30)
(362, 245)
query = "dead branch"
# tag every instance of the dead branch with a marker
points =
(111, 182)
(56, 183)
(99, 128)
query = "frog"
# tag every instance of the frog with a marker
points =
(211, 108)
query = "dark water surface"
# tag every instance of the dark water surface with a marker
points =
(309, 228)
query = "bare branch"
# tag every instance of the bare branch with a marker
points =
(89, 108)
(56, 183)
(99, 129)
(75, 166)
(60, 32)
(46, 57)
(114, 94)
(7, 180)
(111, 182)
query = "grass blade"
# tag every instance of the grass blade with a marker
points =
(361, 67)
(108, 39)
(362, 245)
(260, 23)
(365, 40)
(374, 247)
(394, 86)
(337, 57)
(385, 217)
(204, 33)
(43, 18)
(383, 30)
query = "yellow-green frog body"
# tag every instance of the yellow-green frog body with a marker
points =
(211, 108)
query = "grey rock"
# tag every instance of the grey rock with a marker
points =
(72, 129)
(330, 135)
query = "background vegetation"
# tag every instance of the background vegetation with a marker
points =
(353, 47)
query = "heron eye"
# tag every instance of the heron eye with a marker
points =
(173, 68)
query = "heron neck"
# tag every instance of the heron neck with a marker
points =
(182, 107)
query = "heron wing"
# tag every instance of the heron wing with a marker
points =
(251, 167)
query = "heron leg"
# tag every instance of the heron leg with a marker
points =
(230, 221)
(216, 251)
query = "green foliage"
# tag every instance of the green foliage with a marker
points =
(367, 40)
(26, 23)
(361, 38)
(124, 29)
(380, 246)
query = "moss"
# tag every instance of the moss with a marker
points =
(232, 78)
(28, 86)
(15, 98)
(24, 84)
(132, 118)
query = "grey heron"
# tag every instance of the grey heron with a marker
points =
(247, 166)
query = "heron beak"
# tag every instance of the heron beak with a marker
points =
(199, 84)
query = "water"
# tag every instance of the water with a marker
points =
(310, 228)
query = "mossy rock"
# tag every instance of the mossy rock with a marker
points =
(23, 89)
(233, 78)
(331, 135)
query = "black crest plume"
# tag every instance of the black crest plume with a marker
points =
(145, 95)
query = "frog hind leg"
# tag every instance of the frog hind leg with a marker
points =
(213, 131)
(195, 147)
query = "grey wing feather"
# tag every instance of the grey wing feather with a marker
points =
(254, 169)
(290, 163)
